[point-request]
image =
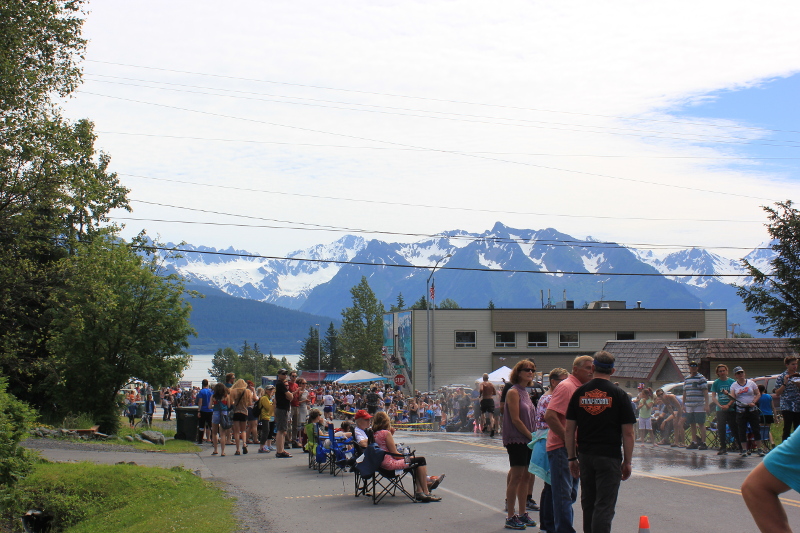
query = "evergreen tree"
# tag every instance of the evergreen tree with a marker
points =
(362, 330)
(332, 346)
(491, 304)
(400, 305)
(309, 352)
(224, 361)
(422, 303)
(775, 296)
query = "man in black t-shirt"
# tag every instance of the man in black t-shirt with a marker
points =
(603, 416)
(283, 399)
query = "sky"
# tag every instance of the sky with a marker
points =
(273, 126)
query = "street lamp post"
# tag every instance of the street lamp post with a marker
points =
(319, 359)
(428, 298)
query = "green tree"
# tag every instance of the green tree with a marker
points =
(742, 335)
(422, 303)
(309, 352)
(115, 319)
(333, 347)
(362, 330)
(491, 304)
(774, 296)
(400, 305)
(448, 303)
(224, 361)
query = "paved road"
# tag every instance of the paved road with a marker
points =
(676, 488)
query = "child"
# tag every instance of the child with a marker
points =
(645, 404)
(767, 417)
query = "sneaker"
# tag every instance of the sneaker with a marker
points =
(722, 452)
(514, 523)
(744, 454)
(762, 453)
(525, 519)
(692, 446)
(531, 505)
(749, 452)
(702, 447)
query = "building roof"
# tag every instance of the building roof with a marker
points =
(657, 360)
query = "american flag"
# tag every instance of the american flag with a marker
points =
(433, 290)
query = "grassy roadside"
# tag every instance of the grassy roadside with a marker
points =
(89, 498)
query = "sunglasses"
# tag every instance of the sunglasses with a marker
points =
(527, 370)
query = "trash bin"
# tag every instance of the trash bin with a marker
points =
(157, 397)
(139, 409)
(186, 422)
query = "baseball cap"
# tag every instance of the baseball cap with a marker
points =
(738, 369)
(692, 363)
(361, 413)
(270, 387)
(283, 371)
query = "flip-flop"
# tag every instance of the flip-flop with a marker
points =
(214, 453)
(436, 483)
(222, 455)
(283, 455)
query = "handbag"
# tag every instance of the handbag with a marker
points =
(225, 421)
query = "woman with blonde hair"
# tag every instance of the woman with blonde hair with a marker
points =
(384, 438)
(240, 398)
(219, 403)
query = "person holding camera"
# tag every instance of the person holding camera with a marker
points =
(745, 393)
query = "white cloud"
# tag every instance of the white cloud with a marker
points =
(620, 59)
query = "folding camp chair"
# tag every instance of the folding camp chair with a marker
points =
(337, 459)
(311, 445)
(362, 484)
(383, 482)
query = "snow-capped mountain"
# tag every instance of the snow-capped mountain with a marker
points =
(510, 267)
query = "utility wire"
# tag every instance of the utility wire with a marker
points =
(323, 227)
(164, 136)
(429, 267)
(449, 208)
(424, 98)
(452, 152)
(492, 120)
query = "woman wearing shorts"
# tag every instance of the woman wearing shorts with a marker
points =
(518, 424)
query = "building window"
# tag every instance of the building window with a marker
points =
(687, 334)
(626, 336)
(568, 339)
(465, 339)
(505, 339)
(537, 339)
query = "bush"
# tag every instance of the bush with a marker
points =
(16, 417)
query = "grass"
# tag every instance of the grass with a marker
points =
(89, 498)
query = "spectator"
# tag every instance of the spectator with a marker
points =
(264, 424)
(252, 420)
(767, 416)
(372, 401)
(282, 404)
(564, 485)
(745, 394)
(673, 409)
(695, 403)
(204, 414)
(219, 403)
(644, 401)
(602, 416)
(383, 434)
(295, 421)
(726, 417)
(786, 386)
(240, 398)
(546, 523)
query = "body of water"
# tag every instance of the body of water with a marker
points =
(198, 368)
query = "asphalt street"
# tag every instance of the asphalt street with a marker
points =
(678, 489)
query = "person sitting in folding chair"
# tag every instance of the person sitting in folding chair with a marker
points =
(383, 431)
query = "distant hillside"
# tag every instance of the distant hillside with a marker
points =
(222, 320)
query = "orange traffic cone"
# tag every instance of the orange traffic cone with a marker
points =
(644, 524)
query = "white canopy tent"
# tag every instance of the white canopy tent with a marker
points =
(497, 376)
(362, 376)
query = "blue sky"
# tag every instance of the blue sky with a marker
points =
(273, 126)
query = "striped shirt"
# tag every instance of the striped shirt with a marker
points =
(695, 389)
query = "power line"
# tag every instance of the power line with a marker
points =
(452, 152)
(424, 98)
(453, 117)
(323, 227)
(428, 267)
(164, 136)
(449, 208)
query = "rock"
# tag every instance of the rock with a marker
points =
(128, 438)
(156, 437)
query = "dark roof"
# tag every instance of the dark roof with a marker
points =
(643, 359)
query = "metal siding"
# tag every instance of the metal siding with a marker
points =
(461, 365)
(598, 319)
(716, 324)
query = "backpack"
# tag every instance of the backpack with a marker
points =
(257, 409)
